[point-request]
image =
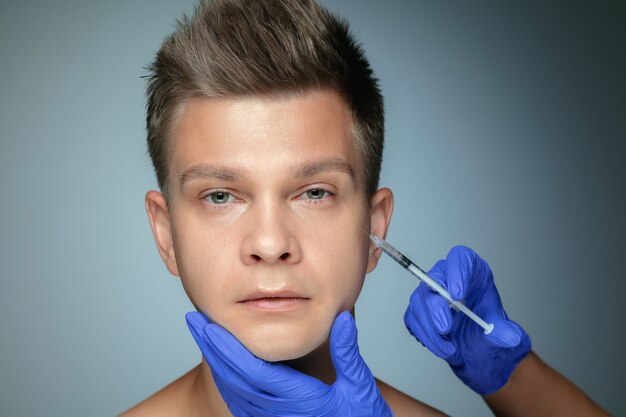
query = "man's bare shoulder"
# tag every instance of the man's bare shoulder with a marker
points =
(404, 405)
(172, 400)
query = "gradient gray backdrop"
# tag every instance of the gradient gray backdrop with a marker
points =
(505, 132)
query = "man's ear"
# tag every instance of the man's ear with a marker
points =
(381, 209)
(159, 215)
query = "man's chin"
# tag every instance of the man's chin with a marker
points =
(283, 350)
(282, 344)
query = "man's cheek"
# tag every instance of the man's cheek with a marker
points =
(347, 286)
(201, 281)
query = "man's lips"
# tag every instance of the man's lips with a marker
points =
(260, 294)
(274, 300)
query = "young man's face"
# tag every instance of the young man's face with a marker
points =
(267, 217)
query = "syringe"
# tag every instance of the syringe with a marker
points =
(422, 276)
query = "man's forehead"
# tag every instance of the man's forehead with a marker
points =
(255, 106)
(314, 130)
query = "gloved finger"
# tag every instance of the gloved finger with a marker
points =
(438, 310)
(220, 369)
(344, 350)
(460, 271)
(353, 375)
(241, 396)
(432, 307)
(196, 322)
(437, 306)
(250, 391)
(438, 274)
(236, 411)
(421, 327)
(258, 403)
(243, 403)
(220, 344)
(238, 406)
(275, 379)
(250, 401)
(505, 334)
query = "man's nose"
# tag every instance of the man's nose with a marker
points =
(270, 237)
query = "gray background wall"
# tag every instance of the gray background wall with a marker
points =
(505, 126)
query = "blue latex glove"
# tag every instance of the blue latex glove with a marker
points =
(483, 362)
(253, 387)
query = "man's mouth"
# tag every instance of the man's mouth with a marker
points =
(275, 300)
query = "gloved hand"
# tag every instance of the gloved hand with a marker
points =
(482, 361)
(253, 387)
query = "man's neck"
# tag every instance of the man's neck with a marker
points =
(206, 399)
(317, 364)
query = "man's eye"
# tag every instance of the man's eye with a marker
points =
(220, 197)
(316, 194)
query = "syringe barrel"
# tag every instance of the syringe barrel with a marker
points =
(459, 306)
(487, 327)
(423, 276)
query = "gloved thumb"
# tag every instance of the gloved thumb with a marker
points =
(344, 349)
(505, 334)
(196, 322)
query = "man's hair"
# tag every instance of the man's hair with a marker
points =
(262, 47)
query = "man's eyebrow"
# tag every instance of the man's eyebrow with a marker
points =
(314, 168)
(203, 171)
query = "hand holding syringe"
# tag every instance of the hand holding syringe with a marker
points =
(484, 361)
(422, 276)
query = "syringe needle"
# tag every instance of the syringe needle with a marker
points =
(397, 256)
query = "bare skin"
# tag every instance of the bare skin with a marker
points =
(195, 394)
(535, 389)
